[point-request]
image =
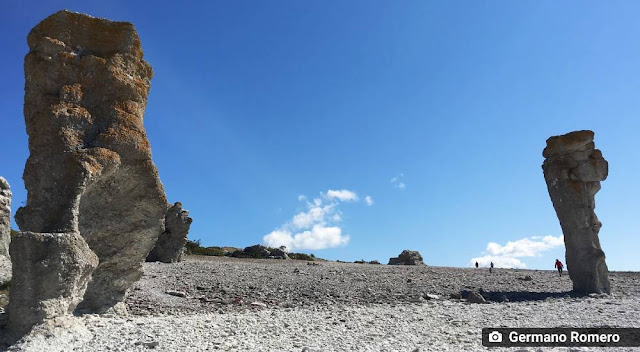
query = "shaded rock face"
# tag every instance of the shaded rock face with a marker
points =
(50, 275)
(170, 245)
(90, 169)
(5, 217)
(573, 169)
(407, 257)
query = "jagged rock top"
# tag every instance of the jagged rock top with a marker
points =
(79, 33)
(575, 152)
(577, 141)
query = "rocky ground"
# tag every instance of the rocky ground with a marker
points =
(213, 303)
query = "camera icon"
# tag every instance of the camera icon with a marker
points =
(495, 337)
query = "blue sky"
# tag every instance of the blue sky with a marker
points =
(258, 108)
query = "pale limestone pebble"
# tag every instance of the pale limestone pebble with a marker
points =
(432, 326)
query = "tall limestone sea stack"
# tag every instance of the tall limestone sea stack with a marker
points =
(90, 170)
(573, 169)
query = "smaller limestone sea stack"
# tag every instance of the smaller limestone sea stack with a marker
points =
(170, 245)
(573, 169)
(5, 217)
(407, 257)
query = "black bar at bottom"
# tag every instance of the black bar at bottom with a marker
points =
(561, 337)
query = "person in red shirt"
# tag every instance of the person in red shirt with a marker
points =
(559, 266)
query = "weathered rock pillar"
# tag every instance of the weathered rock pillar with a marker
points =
(90, 170)
(573, 169)
(5, 230)
(5, 217)
(170, 245)
(50, 275)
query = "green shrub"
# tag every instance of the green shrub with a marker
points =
(193, 247)
(301, 256)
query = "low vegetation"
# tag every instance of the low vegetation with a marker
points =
(256, 251)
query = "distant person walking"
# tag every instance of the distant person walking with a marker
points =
(491, 268)
(476, 265)
(559, 266)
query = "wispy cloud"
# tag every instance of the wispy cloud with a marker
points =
(507, 256)
(398, 182)
(343, 195)
(318, 226)
(368, 200)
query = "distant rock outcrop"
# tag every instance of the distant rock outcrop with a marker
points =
(50, 275)
(407, 257)
(5, 217)
(90, 170)
(170, 245)
(573, 169)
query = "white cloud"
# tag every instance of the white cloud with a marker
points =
(315, 214)
(368, 200)
(398, 182)
(317, 226)
(302, 197)
(343, 195)
(318, 237)
(506, 256)
(499, 262)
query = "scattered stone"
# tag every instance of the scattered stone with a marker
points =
(50, 276)
(475, 297)
(407, 257)
(573, 169)
(5, 217)
(176, 293)
(90, 169)
(526, 278)
(430, 296)
(259, 304)
(170, 245)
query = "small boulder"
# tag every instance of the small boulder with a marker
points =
(407, 257)
(475, 297)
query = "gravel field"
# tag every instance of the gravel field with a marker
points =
(274, 305)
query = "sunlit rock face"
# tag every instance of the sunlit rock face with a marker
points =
(90, 170)
(573, 169)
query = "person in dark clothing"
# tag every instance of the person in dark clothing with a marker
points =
(559, 266)
(491, 267)
(476, 265)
